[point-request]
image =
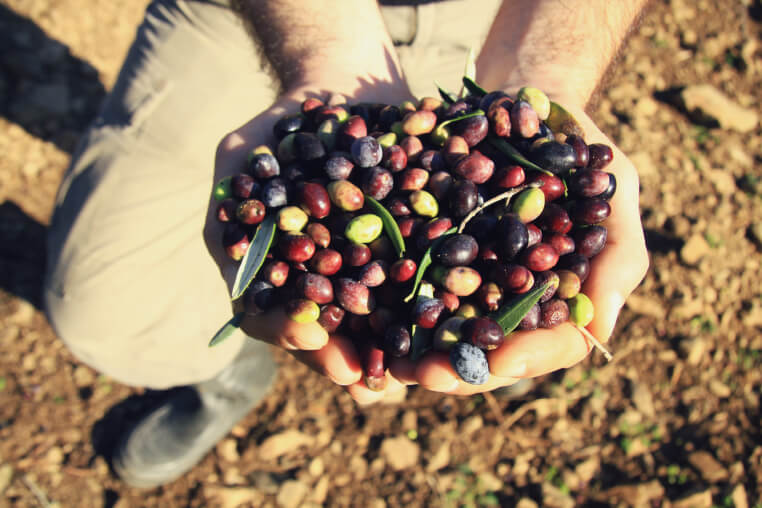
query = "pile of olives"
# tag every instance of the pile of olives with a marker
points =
(408, 227)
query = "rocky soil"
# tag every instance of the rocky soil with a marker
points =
(674, 420)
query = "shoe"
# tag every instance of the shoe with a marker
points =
(517, 390)
(174, 437)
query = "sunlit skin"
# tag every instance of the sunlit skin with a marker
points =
(374, 74)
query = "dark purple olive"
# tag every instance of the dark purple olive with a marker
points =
(259, 297)
(482, 227)
(489, 296)
(610, 190)
(397, 341)
(353, 128)
(552, 186)
(326, 262)
(588, 183)
(463, 198)
(553, 313)
(511, 236)
(576, 263)
(394, 159)
(331, 317)
(377, 182)
(581, 152)
(374, 273)
(534, 235)
(366, 152)
(288, 124)
(540, 257)
(338, 166)
(356, 254)
(296, 247)
(413, 147)
(354, 296)
(315, 287)
(387, 116)
(250, 211)
(473, 129)
(264, 166)
(563, 244)
(457, 250)
(226, 210)
(398, 207)
(308, 146)
(531, 320)
(483, 333)
(524, 120)
(427, 311)
(475, 167)
(512, 277)
(314, 199)
(275, 272)
(432, 160)
(508, 177)
(409, 225)
(558, 158)
(275, 193)
(554, 219)
(244, 186)
(235, 240)
(590, 241)
(430, 231)
(547, 277)
(590, 211)
(600, 156)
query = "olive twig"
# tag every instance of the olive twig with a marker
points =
(507, 195)
(595, 342)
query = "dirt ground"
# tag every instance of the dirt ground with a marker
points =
(674, 420)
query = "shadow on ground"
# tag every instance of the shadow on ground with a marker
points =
(45, 89)
(22, 254)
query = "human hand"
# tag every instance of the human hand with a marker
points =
(614, 273)
(332, 355)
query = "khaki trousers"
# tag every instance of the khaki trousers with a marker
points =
(129, 280)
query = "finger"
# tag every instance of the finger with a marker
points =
(435, 373)
(537, 352)
(338, 360)
(275, 327)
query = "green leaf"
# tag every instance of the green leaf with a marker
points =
(425, 262)
(514, 155)
(227, 330)
(444, 94)
(420, 338)
(510, 315)
(473, 88)
(476, 112)
(390, 225)
(255, 256)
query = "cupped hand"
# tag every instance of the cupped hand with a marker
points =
(331, 355)
(614, 273)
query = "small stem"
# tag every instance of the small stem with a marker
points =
(507, 195)
(595, 342)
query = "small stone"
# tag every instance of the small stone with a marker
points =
(723, 181)
(718, 106)
(233, 497)
(635, 495)
(471, 425)
(587, 470)
(228, 450)
(694, 349)
(320, 491)
(738, 496)
(643, 400)
(291, 494)
(316, 467)
(553, 497)
(647, 306)
(526, 502)
(708, 467)
(694, 249)
(6, 475)
(698, 500)
(285, 442)
(400, 452)
(440, 459)
(720, 389)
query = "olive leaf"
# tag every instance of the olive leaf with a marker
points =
(514, 155)
(446, 96)
(426, 261)
(227, 330)
(390, 225)
(254, 257)
(420, 338)
(510, 315)
(473, 88)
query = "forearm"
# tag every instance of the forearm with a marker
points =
(561, 46)
(343, 41)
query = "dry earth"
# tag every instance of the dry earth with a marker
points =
(674, 420)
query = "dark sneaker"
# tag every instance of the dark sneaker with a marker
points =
(174, 437)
